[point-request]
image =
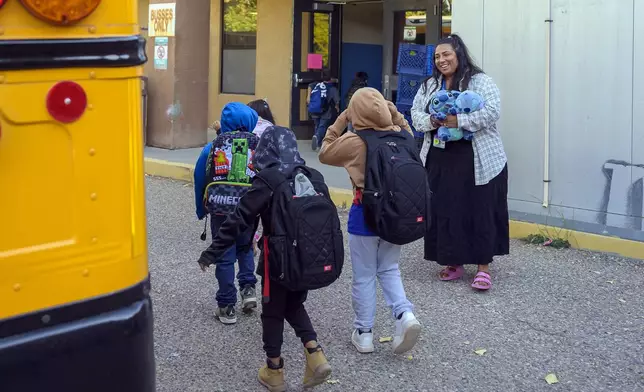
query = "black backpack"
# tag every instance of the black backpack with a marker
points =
(304, 248)
(396, 194)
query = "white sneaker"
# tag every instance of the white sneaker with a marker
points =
(362, 341)
(407, 332)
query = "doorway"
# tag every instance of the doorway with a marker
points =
(411, 21)
(316, 48)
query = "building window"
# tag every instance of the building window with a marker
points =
(409, 28)
(446, 18)
(320, 44)
(238, 46)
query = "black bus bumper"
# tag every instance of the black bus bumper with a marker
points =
(111, 351)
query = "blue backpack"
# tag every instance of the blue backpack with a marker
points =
(319, 101)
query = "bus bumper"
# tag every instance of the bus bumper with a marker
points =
(110, 351)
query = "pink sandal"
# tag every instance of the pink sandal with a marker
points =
(452, 273)
(482, 281)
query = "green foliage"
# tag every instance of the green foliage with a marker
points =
(415, 13)
(447, 8)
(321, 36)
(541, 239)
(240, 16)
(553, 236)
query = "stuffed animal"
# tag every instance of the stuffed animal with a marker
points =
(441, 106)
(450, 103)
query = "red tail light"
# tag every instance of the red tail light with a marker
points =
(2, 3)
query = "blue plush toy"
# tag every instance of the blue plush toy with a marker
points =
(450, 103)
(442, 105)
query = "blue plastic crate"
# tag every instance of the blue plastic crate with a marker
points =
(412, 59)
(431, 49)
(408, 85)
(405, 110)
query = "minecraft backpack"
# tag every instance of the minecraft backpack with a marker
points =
(229, 171)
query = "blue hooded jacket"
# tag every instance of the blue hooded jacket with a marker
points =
(234, 117)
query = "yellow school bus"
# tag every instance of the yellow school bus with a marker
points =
(75, 311)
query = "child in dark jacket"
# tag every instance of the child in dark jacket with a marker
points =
(277, 148)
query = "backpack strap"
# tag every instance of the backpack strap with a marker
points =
(373, 138)
(273, 178)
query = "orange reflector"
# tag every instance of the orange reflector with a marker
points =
(61, 11)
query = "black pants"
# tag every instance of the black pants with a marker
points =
(289, 306)
(470, 223)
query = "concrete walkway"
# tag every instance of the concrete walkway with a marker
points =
(335, 176)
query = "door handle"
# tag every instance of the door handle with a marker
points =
(386, 89)
(296, 80)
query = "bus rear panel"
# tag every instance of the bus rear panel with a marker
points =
(75, 312)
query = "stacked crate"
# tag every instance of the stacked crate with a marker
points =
(415, 63)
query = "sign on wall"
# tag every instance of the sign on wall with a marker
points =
(410, 33)
(161, 20)
(161, 53)
(314, 61)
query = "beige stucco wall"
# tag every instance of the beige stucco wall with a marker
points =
(143, 14)
(274, 59)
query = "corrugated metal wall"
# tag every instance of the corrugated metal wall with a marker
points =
(596, 105)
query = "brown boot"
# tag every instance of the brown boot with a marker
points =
(271, 378)
(317, 368)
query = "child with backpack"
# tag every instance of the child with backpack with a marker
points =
(301, 249)
(389, 209)
(323, 102)
(266, 118)
(221, 176)
(357, 83)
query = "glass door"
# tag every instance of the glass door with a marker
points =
(411, 25)
(316, 51)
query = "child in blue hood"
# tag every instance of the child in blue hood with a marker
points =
(239, 120)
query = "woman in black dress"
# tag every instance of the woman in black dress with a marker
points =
(469, 179)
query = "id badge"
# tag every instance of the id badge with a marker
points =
(438, 143)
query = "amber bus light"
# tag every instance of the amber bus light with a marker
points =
(60, 12)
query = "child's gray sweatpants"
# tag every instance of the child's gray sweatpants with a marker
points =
(373, 257)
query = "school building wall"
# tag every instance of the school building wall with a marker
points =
(187, 96)
(592, 100)
(143, 6)
(362, 44)
(272, 75)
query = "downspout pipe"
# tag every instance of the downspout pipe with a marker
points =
(546, 127)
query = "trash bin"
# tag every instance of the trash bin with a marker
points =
(144, 107)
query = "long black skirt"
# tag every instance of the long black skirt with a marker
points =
(470, 224)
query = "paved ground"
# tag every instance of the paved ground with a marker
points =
(575, 313)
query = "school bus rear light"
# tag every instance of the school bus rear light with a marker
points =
(2, 3)
(66, 101)
(61, 12)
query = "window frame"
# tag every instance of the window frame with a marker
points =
(396, 43)
(222, 40)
